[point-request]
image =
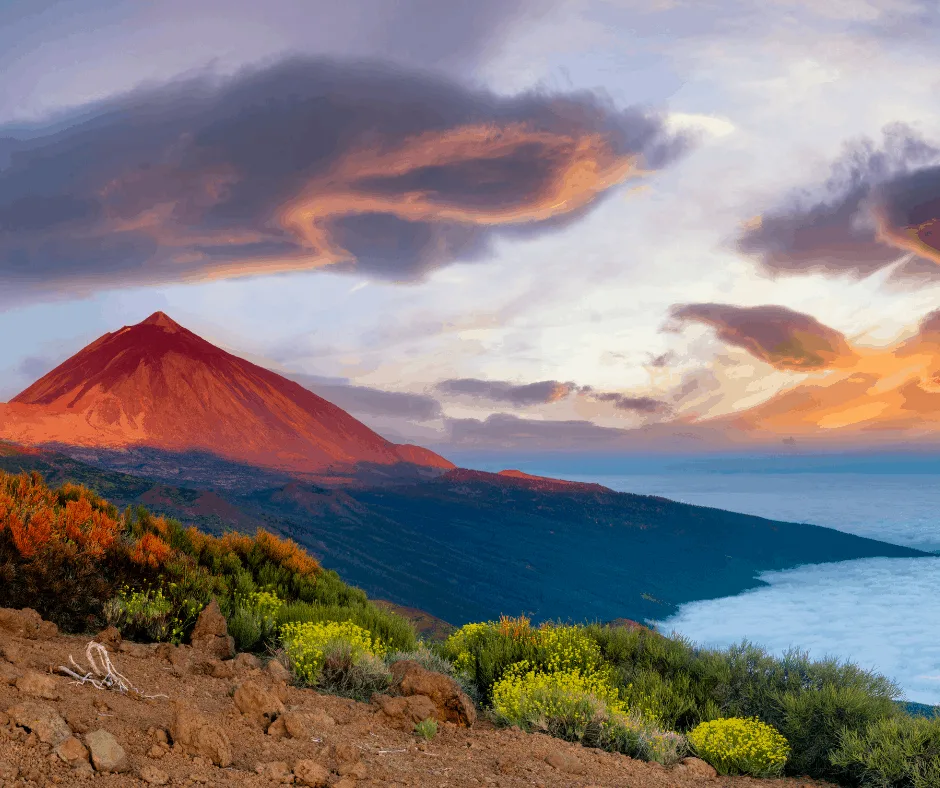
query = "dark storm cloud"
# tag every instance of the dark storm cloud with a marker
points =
(306, 164)
(365, 400)
(520, 395)
(779, 336)
(876, 205)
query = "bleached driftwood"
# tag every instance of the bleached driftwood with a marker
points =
(102, 674)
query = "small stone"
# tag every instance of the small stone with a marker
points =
(274, 770)
(110, 638)
(201, 735)
(9, 674)
(106, 754)
(357, 770)
(72, 751)
(210, 635)
(151, 775)
(83, 771)
(245, 661)
(39, 685)
(160, 736)
(257, 703)
(221, 670)
(277, 671)
(311, 774)
(697, 768)
(156, 752)
(345, 782)
(42, 719)
(565, 763)
(344, 752)
(32, 740)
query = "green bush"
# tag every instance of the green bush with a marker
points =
(896, 752)
(740, 746)
(426, 729)
(350, 673)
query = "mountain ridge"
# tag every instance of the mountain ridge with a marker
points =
(158, 384)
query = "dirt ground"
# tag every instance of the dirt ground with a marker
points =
(351, 741)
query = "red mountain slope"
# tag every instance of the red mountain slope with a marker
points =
(158, 385)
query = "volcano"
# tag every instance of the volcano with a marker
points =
(158, 385)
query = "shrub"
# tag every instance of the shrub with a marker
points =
(897, 752)
(484, 653)
(426, 729)
(395, 632)
(567, 705)
(426, 658)
(740, 746)
(351, 673)
(629, 734)
(252, 621)
(307, 644)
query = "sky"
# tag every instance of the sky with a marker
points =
(498, 225)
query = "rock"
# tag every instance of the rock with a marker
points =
(137, 650)
(200, 735)
(23, 623)
(110, 638)
(300, 725)
(404, 713)
(696, 768)
(83, 771)
(72, 751)
(258, 704)
(8, 673)
(311, 774)
(275, 770)
(277, 671)
(452, 703)
(14, 653)
(210, 635)
(222, 670)
(106, 754)
(565, 763)
(151, 775)
(344, 752)
(9, 772)
(40, 685)
(244, 662)
(345, 782)
(357, 769)
(41, 719)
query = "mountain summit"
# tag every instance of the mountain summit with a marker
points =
(158, 385)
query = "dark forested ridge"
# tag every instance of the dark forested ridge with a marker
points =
(470, 546)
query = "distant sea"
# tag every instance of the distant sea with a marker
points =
(882, 613)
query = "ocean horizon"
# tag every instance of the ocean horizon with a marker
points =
(881, 613)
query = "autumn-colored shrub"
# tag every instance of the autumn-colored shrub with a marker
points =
(67, 552)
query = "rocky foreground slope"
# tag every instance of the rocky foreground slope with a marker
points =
(201, 721)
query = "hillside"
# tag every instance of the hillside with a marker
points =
(158, 385)
(470, 545)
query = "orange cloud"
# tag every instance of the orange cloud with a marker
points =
(781, 337)
(893, 391)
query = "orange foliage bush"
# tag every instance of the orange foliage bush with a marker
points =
(67, 551)
(35, 516)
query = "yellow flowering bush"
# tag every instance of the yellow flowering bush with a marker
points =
(741, 746)
(306, 644)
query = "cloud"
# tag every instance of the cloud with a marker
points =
(776, 335)
(504, 430)
(520, 395)
(636, 404)
(305, 164)
(877, 205)
(365, 400)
